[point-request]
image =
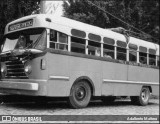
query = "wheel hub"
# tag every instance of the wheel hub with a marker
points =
(144, 95)
(80, 93)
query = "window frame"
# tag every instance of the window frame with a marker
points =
(110, 50)
(80, 45)
(152, 57)
(146, 57)
(132, 48)
(57, 42)
(157, 61)
(94, 50)
(135, 51)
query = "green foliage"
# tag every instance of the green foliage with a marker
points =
(142, 14)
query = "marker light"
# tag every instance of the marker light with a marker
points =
(43, 64)
(27, 68)
(48, 20)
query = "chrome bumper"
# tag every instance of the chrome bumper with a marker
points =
(19, 85)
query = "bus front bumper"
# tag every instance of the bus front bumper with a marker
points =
(19, 85)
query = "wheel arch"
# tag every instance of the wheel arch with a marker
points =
(150, 88)
(89, 81)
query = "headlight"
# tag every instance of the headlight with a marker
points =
(3, 70)
(27, 68)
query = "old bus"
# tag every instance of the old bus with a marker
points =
(51, 56)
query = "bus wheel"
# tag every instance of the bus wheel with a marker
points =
(143, 98)
(80, 95)
(108, 99)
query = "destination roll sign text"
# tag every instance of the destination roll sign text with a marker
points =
(20, 25)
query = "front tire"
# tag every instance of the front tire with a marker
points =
(80, 95)
(143, 98)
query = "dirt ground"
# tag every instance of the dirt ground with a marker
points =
(119, 107)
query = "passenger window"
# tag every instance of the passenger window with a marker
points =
(121, 50)
(62, 42)
(158, 61)
(53, 35)
(78, 45)
(143, 58)
(58, 40)
(53, 39)
(132, 55)
(94, 48)
(98, 52)
(152, 59)
(133, 52)
(108, 51)
(121, 53)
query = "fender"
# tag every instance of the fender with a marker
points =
(89, 81)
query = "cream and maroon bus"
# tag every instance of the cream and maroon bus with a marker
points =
(49, 56)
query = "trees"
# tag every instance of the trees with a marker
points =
(13, 9)
(142, 14)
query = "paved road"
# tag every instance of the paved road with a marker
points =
(120, 107)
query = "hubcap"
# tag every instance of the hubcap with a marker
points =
(145, 95)
(80, 93)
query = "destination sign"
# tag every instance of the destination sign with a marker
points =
(20, 25)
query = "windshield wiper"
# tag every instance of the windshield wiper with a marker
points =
(35, 42)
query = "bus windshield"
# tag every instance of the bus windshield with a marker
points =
(30, 38)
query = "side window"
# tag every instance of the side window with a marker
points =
(53, 39)
(121, 50)
(133, 52)
(53, 35)
(158, 61)
(132, 55)
(121, 53)
(108, 47)
(108, 51)
(78, 45)
(143, 58)
(152, 59)
(94, 48)
(94, 44)
(143, 55)
(63, 42)
(58, 40)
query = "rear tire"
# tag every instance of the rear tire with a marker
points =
(80, 95)
(143, 98)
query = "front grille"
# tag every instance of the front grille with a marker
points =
(15, 69)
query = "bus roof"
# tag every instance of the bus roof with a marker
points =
(65, 25)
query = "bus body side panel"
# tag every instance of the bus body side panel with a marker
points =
(148, 75)
(58, 75)
(155, 90)
(89, 68)
(37, 72)
(143, 74)
(114, 71)
(108, 78)
(68, 69)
